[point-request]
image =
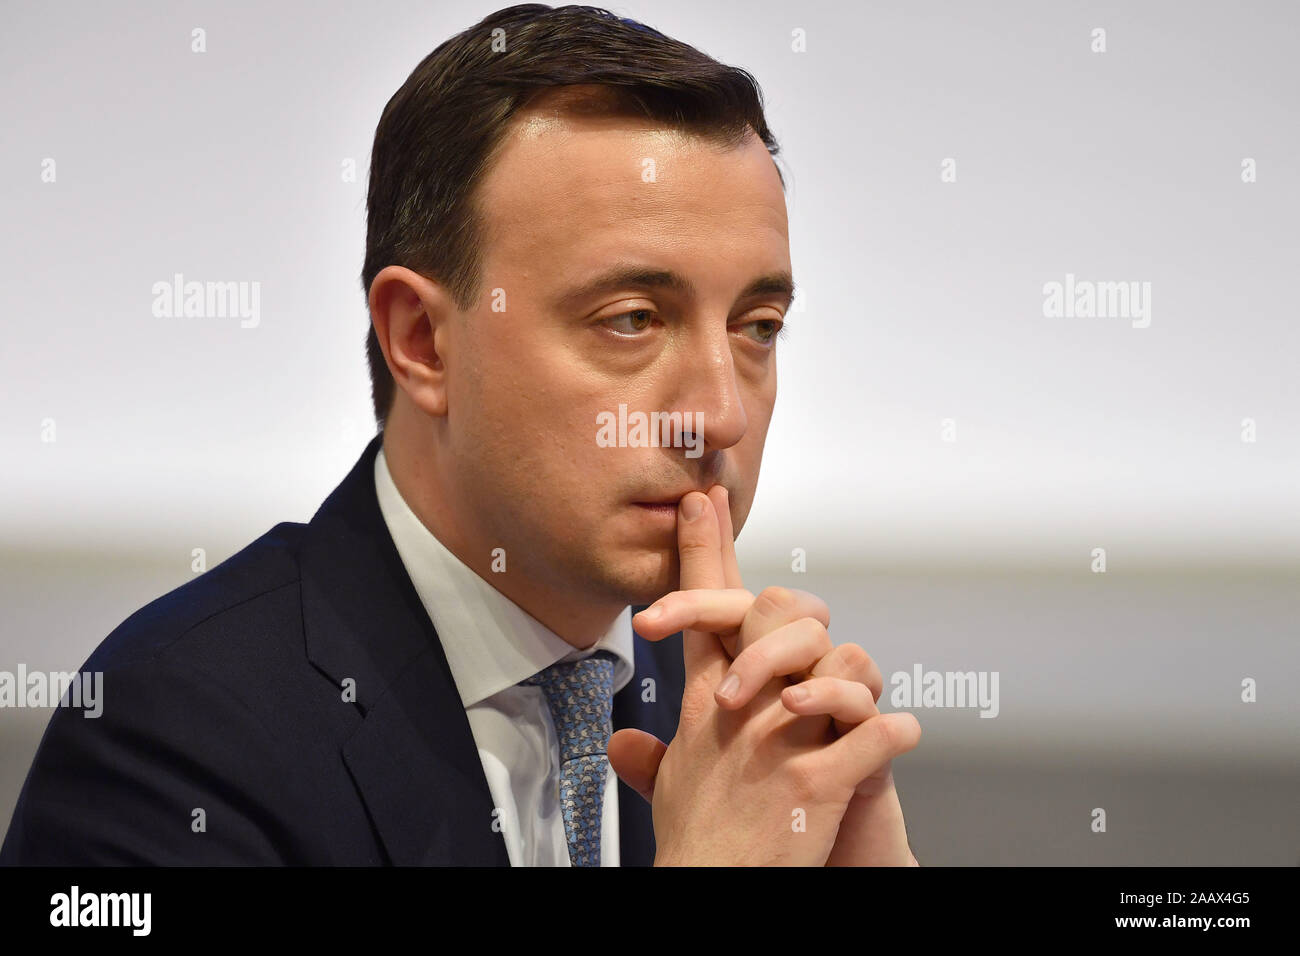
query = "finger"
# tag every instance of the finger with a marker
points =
(700, 566)
(775, 607)
(718, 611)
(791, 649)
(699, 546)
(721, 499)
(869, 746)
(635, 756)
(848, 702)
(851, 662)
(872, 831)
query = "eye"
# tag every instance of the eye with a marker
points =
(638, 319)
(767, 329)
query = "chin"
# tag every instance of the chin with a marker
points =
(645, 578)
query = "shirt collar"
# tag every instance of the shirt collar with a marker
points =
(491, 643)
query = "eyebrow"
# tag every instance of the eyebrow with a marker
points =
(632, 275)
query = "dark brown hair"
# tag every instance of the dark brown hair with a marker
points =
(436, 138)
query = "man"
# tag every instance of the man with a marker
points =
(572, 220)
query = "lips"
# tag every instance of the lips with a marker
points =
(670, 500)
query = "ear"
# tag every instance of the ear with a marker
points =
(412, 316)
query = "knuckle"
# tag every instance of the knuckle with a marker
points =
(686, 602)
(817, 607)
(696, 706)
(857, 659)
(695, 546)
(816, 630)
(670, 603)
(805, 776)
(776, 598)
(883, 737)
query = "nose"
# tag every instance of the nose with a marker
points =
(709, 389)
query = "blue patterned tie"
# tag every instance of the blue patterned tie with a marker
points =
(580, 695)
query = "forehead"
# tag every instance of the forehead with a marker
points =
(569, 192)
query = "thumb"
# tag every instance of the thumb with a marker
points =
(635, 756)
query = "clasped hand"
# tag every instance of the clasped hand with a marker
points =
(781, 756)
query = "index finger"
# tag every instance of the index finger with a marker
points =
(699, 544)
(699, 549)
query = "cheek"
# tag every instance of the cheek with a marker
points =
(532, 438)
(748, 460)
(499, 388)
(759, 405)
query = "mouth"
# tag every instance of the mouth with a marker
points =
(668, 501)
(665, 505)
(658, 507)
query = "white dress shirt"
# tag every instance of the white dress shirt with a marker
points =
(491, 645)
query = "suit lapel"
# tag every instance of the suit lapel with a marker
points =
(414, 750)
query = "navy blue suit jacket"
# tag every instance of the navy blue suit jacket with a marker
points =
(225, 696)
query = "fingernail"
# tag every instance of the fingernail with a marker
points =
(798, 694)
(692, 505)
(729, 687)
(652, 612)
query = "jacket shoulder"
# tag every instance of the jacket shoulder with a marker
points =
(253, 574)
(185, 730)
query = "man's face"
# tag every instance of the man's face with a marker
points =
(542, 356)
